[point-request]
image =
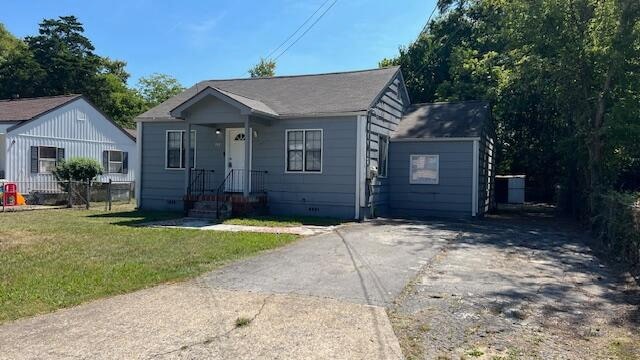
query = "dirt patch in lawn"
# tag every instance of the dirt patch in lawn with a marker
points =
(518, 290)
(18, 237)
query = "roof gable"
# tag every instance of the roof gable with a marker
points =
(38, 107)
(289, 96)
(245, 105)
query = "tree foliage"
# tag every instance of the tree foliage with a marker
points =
(563, 78)
(264, 68)
(61, 60)
(157, 88)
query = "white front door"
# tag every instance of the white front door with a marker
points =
(234, 151)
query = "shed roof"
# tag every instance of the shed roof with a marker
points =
(444, 120)
(293, 95)
(29, 108)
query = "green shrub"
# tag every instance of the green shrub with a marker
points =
(78, 169)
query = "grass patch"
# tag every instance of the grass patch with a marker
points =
(242, 321)
(624, 349)
(283, 221)
(58, 258)
(475, 352)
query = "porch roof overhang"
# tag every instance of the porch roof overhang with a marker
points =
(247, 106)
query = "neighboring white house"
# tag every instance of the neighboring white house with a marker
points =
(37, 133)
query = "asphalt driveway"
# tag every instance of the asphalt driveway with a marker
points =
(322, 297)
(366, 263)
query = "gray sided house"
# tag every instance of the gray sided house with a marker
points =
(37, 133)
(316, 145)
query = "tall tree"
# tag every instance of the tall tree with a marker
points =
(157, 88)
(66, 55)
(264, 68)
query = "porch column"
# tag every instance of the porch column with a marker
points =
(187, 158)
(247, 157)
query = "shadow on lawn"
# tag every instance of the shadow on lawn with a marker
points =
(137, 217)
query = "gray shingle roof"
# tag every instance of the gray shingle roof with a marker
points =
(29, 108)
(295, 95)
(443, 120)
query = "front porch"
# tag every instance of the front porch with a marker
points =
(208, 197)
(222, 176)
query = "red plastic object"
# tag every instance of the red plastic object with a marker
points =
(10, 195)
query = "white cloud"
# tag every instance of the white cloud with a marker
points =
(201, 34)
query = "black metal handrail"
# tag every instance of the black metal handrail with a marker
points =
(202, 181)
(234, 183)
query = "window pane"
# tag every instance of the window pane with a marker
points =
(313, 140)
(115, 167)
(174, 144)
(383, 152)
(295, 160)
(312, 161)
(313, 148)
(46, 166)
(294, 141)
(115, 155)
(48, 152)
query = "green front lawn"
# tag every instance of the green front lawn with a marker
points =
(51, 259)
(283, 221)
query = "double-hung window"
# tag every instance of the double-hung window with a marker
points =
(304, 151)
(176, 149)
(115, 162)
(47, 159)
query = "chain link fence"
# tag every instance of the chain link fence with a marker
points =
(77, 194)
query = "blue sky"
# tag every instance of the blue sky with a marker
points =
(196, 40)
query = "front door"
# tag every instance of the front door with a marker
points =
(235, 139)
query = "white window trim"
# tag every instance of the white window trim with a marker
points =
(386, 164)
(109, 161)
(437, 168)
(166, 148)
(304, 152)
(55, 159)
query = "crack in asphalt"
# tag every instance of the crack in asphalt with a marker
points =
(209, 340)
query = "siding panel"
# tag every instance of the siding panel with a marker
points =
(451, 197)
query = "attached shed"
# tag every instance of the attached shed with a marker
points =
(441, 161)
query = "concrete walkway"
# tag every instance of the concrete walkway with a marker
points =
(203, 224)
(318, 298)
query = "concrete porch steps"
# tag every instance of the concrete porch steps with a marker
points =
(208, 210)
